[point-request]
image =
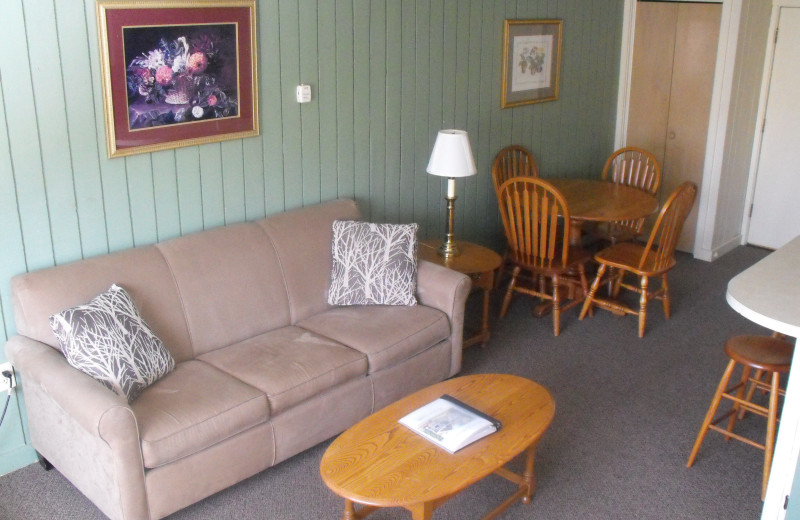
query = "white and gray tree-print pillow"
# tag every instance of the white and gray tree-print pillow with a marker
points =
(373, 264)
(108, 340)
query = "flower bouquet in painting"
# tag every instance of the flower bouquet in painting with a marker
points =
(180, 74)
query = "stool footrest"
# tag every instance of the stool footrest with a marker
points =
(736, 436)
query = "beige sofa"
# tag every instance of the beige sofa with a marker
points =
(265, 367)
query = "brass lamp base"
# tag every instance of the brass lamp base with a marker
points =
(449, 249)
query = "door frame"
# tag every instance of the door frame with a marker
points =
(718, 117)
(787, 446)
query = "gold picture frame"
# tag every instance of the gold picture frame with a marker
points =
(531, 61)
(177, 73)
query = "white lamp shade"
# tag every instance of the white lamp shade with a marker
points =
(452, 155)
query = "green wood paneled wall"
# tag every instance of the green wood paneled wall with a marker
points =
(386, 75)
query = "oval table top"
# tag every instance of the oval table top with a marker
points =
(382, 463)
(603, 201)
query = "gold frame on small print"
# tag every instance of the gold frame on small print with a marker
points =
(531, 61)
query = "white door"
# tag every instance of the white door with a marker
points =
(775, 215)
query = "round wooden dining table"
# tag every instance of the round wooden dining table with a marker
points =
(602, 201)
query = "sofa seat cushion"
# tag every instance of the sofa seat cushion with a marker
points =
(386, 334)
(193, 407)
(289, 365)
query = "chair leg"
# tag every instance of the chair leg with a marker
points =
(772, 420)
(509, 291)
(642, 305)
(618, 282)
(665, 295)
(739, 395)
(751, 389)
(712, 410)
(587, 302)
(585, 285)
(556, 306)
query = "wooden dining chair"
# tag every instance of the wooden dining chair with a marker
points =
(536, 223)
(511, 161)
(655, 258)
(637, 168)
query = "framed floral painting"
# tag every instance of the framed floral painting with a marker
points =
(531, 61)
(177, 73)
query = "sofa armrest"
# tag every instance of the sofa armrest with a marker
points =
(446, 290)
(69, 412)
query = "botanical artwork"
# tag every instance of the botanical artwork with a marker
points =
(373, 264)
(108, 340)
(180, 74)
(531, 62)
(532, 69)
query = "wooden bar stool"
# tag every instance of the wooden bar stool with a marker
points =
(771, 355)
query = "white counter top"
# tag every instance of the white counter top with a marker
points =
(768, 292)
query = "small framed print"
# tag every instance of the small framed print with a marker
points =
(531, 61)
(177, 73)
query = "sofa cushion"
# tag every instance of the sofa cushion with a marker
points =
(192, 408)
(302, 239)
(373, 264)
(230, 283)
(108, 340)
(386, 334)
(289, 364)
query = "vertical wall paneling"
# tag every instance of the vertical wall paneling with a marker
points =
(394, 72)
(79, 104)
(436, 212)
(233, 174)
(422, 141)
(386, 76)
(377, 110)
(271, 104)
(22, 131)
(116, 204)
(310, 61)
(291, 117)
(190, 195)
(165, 192)
(139, 175)
(361, 97)
(326, 49)
(48, 91)
(13, 258)
(408, 166)
(345, 88)
(211, 185)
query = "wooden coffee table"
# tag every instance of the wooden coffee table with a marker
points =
(380, 463)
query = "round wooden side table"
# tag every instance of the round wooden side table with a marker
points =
(480, 264)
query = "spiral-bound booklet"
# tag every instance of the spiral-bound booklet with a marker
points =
(450, 423)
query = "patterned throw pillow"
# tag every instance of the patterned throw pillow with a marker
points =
(108, 340)
(373, 264)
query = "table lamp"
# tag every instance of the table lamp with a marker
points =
(451, 157)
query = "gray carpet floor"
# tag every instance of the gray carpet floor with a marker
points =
(627, 413)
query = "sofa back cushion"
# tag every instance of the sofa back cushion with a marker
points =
(302, 240)
(230, 284)
(142, 272)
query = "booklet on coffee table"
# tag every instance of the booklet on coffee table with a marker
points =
(450, 423)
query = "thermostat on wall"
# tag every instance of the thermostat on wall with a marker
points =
(303, 93)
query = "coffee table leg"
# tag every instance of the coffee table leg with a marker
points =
(421, 511)
(528, 476)
(349, 510)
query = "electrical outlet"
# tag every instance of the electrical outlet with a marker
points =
(4, 386)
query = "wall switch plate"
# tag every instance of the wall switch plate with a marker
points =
(303, 93)
(4, 387)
